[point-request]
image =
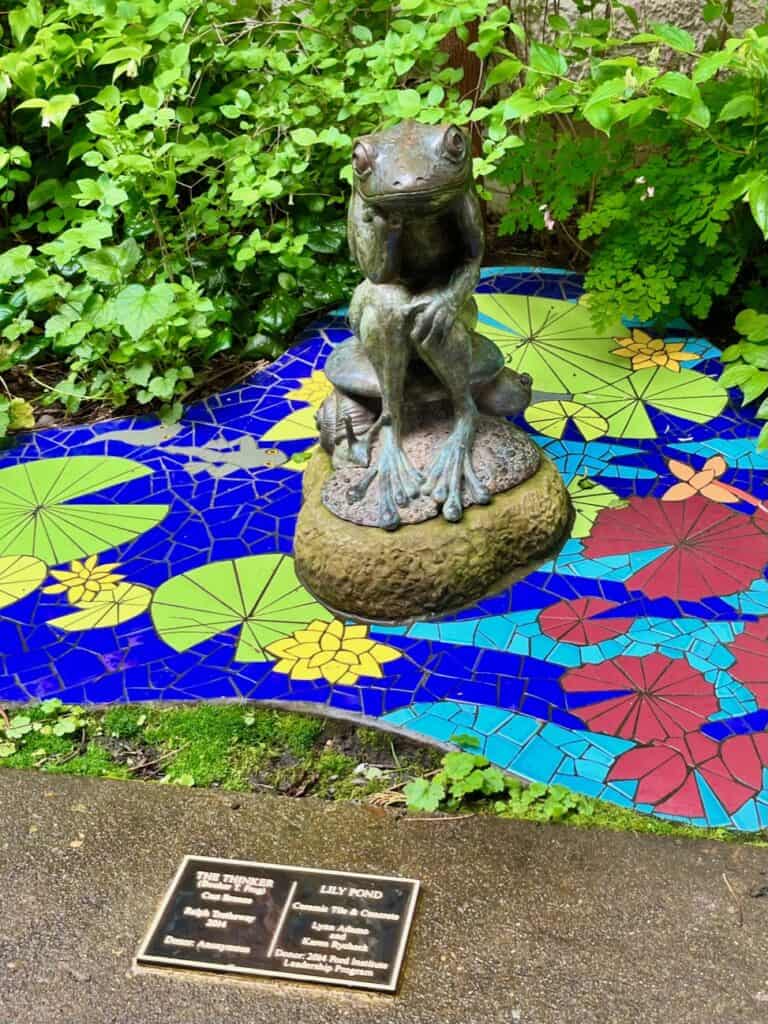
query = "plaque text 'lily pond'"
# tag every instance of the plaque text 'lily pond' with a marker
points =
(245, 918)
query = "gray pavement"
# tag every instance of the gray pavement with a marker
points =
(517, 924)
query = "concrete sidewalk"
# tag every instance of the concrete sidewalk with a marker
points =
(517, 924)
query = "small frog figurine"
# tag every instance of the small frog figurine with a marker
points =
(416, 232)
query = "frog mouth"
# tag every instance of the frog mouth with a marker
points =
(413, 197)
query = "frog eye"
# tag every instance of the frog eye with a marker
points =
(454, 144)
(362, 161)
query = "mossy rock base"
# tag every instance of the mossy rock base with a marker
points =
(428, 568)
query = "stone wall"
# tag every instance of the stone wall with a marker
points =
(685, 13)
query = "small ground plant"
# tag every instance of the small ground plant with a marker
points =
(241, 748)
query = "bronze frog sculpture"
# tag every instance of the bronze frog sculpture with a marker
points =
(415, 230)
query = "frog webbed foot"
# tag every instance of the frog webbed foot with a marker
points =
(452, 471)
(399, 483)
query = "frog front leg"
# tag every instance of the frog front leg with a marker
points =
(379, 315)
(452, 470)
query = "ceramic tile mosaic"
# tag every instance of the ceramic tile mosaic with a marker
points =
(142, 562)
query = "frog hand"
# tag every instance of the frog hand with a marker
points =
(433, 318)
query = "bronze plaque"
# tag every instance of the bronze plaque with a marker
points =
(245, 918)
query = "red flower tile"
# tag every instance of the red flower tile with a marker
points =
(573, 622)
(667, 772)
(713, 550)
(751, 666)
(667, 697)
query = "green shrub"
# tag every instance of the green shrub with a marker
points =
(172, 177)
(174, 174)
(650, 159)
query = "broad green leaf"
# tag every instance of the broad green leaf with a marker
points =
(709, 64)
(755, 385)
(43, 193)
(424, 794)
(505, 71)
(36, 520)
(711, 11)
(40, 287)
(110, 607)
(743, 104)
(606, 91)
(520, 105)
(19, 576)
(137, 308)
(121, 53)
(53, 110)
(602, 116)
(699, 114)
(734, 375)
(674, 37)
(304, 136)
(111, 263)
(752, 325)
(758, 204)
(15, 263)
(408, 102)
(547, 60)
(678, 84)
(458, 765)
(258, 594)
(24, 18)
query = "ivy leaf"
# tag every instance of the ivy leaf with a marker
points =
(137, 308)
(15, 263)
(111, 263)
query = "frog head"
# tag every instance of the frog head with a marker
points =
(412, 167)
